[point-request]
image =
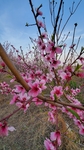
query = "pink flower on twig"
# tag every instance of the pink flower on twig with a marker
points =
(57, 91)
(40, 24)
(35, 89)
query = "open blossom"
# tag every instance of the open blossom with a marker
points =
(49, 145)
(69, 68)
(56, 136)
(4, 129)
(82, 60)
(2, 64)
(24, 97)
(74, 92)
(58, 50)
(18, 89)
(52, 116)
(50, 76)
(43, 47)
(77, 122)
(42, 85)
(64, 75)
(80, 74)
(57, 90)
(44, 35)
(39, 42)
(81, 131)
(55, 139)
(23, 106)
(14, 99)
(37, 101)
(35, 89)
(55, 63)
(40, 24)
(53, 50)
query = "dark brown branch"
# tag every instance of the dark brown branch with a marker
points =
(57, 18)
(32, 9)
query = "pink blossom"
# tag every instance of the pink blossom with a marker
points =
(80, 74)
(35, 89)
(43, 77)
(48, 58)
(39, 42)
(23, 106)
(44, 35)
(53, 50)
(55, 63)
(64, 110)
(12, 80)
(64, 75)
(82, 60)
(52, 106)
(40, 24)
(81, 130)
(24, 97)
(4, 129)
(43, 47)
(58, 50)
(57, 91)
(49, 145)
(74, 92)
(38, 73)
(77, 122)
(19, 89)
(39, 12)
(2, 64)
(68, 68)
(42, 85)
(50, 76)
(37, 101)
(55, 136)
(14, 99)
(52, 116)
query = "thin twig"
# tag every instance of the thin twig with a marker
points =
(71, 13)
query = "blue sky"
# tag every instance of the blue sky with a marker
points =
(15, 13)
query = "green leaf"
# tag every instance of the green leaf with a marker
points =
(52, 38)
(1, 67)
(60, 45)
(78, 67)
(8, 76)
(55, 97)
(82, 49)
(74, 113)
